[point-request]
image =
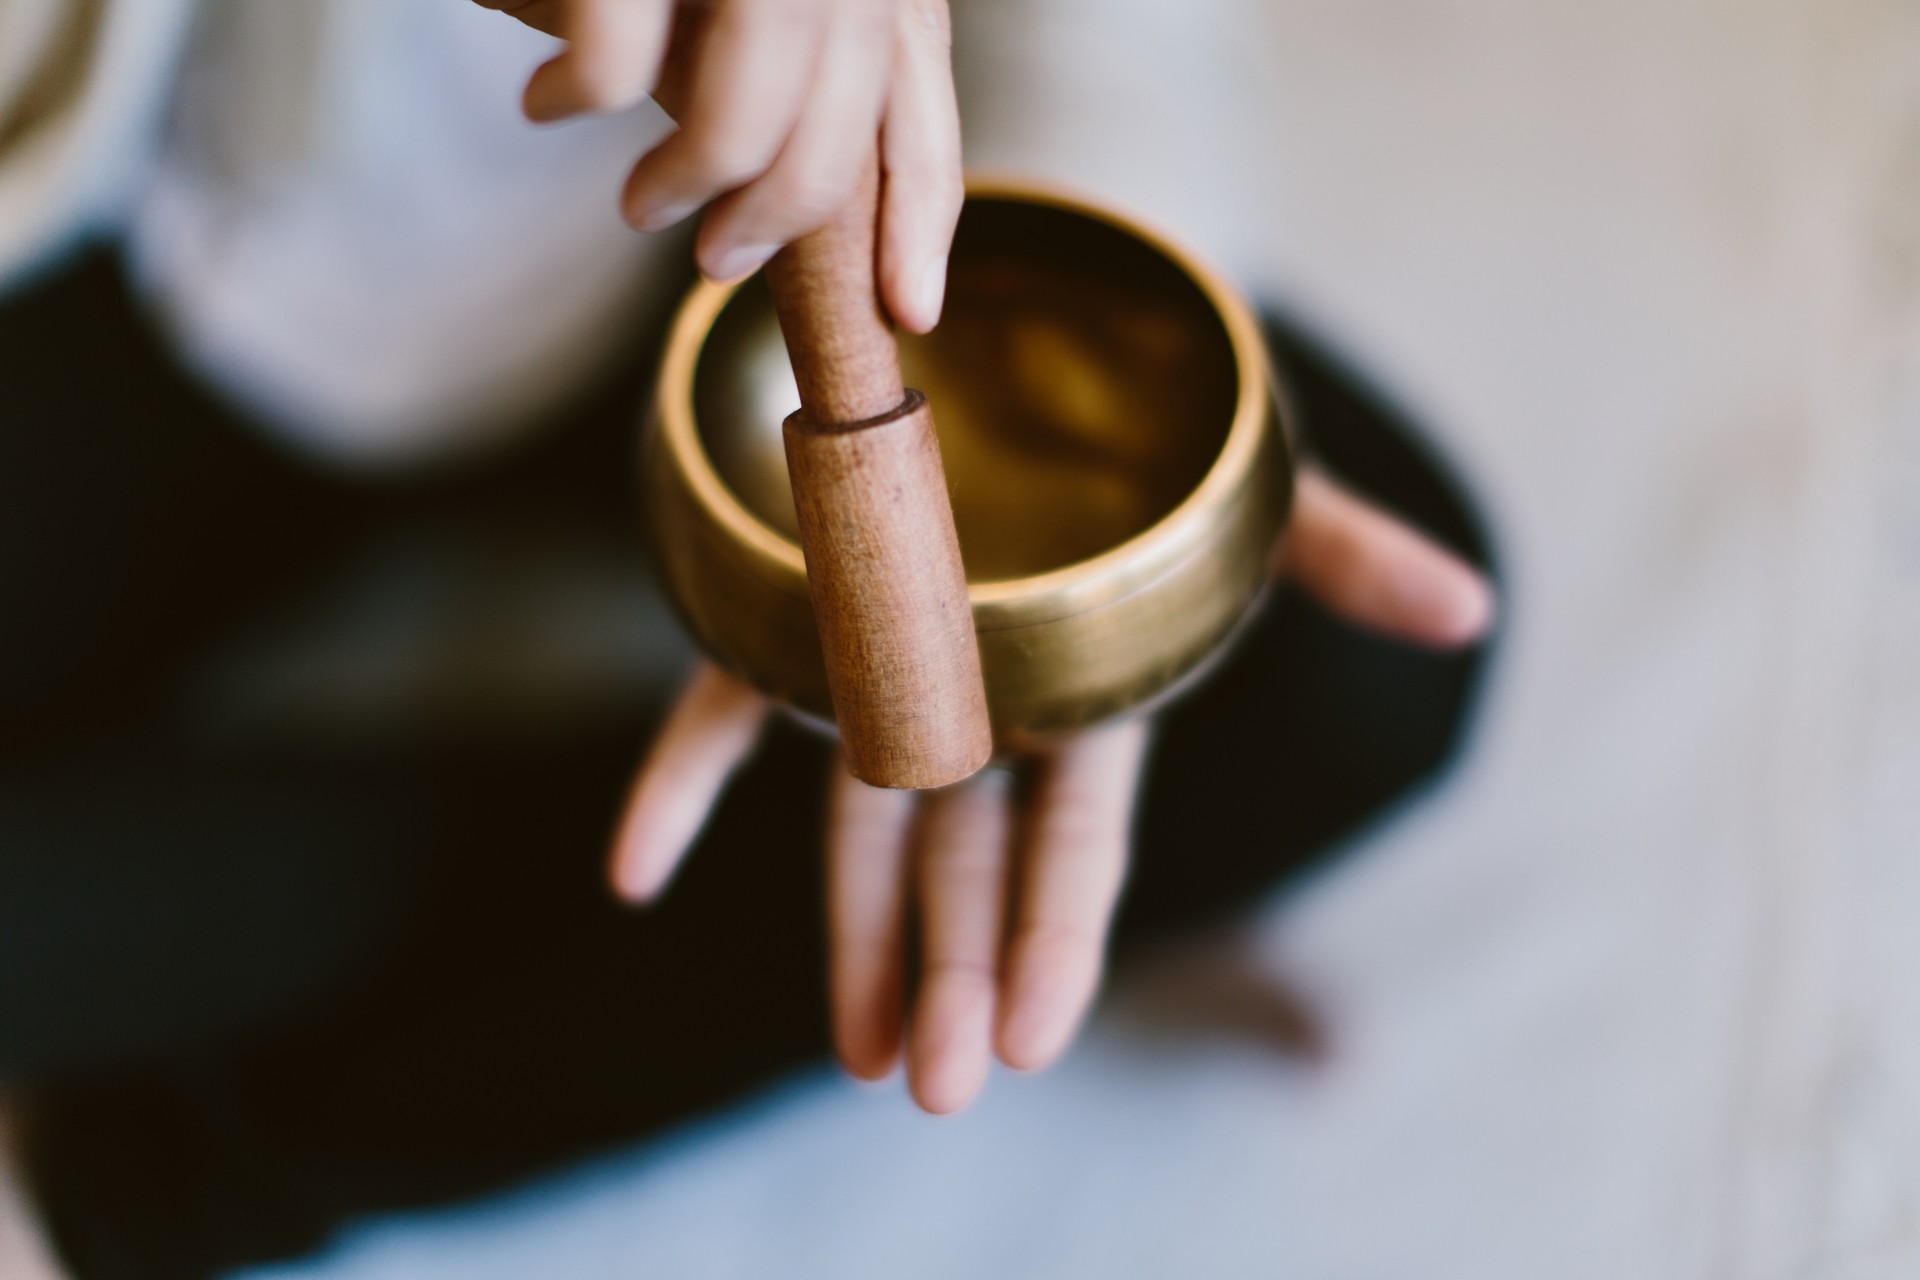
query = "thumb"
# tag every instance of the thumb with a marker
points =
(707, 736)
(1378, 572)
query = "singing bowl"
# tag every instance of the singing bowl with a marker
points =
(1114, 441)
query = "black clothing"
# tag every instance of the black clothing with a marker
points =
(258, 981)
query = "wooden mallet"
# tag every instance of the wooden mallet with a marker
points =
(876, 523)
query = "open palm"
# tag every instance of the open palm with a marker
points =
(1013, 888)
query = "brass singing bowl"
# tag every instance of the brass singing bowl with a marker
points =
(1114, 443)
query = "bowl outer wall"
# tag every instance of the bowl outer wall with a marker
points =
(1060, 650)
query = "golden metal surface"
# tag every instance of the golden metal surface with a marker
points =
(1111, 434)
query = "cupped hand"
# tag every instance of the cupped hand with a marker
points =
(780, 104)
(1013, 886)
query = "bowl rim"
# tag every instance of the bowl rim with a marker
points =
(1000, 603)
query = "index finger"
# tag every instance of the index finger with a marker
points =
(920, 154)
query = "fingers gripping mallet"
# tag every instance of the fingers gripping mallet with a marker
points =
(876, 523)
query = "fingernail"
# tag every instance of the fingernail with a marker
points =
(1473, 611)
(932, 291)
(867, 1057)
(633, 883)
(744, 261)
(545, 100)
(1032, 1034)
(663, 217)
(1461, 608)
(1023, 1038)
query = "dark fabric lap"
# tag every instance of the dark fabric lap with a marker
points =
(258, 987)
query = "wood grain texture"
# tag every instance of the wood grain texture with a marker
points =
(876, 523)
(890, 598)
(839, 339)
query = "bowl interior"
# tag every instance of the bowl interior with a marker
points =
(1082, 384)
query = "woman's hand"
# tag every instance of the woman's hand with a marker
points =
(780, 103)
(1013, 906)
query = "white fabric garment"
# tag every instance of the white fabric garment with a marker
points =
(337, 207)
(1631, 996)
(353, 230)
(82, 83)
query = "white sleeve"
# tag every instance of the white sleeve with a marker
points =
(353, 232)
(80, 88)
